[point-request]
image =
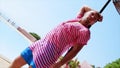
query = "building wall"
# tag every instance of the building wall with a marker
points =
(4, 62)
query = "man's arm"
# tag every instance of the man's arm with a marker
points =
(71, 53)
(84, 9)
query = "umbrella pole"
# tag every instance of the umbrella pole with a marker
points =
(104, 6)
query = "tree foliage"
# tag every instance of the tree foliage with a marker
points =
(114, 64)
(73, 63)
(35, 35)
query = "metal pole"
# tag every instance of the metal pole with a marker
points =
(104, 6)
(21, 31)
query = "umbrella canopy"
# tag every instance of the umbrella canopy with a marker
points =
(117, 5)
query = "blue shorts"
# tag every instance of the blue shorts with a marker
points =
(28, 57)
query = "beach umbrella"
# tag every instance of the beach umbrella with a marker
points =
(116, 3)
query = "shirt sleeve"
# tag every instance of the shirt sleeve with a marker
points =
(82, 37)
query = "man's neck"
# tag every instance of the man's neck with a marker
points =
(85, 23)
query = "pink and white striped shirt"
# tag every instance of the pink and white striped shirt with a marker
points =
(47, 50)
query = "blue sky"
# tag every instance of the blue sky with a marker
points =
(40, 16)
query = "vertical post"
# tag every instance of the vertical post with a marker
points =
(23, 32)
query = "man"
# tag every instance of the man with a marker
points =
(73, 33)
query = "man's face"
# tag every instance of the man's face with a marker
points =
(92, 17)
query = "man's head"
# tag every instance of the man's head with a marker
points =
(91, 17)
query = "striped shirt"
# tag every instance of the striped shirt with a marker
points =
(47, 50)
